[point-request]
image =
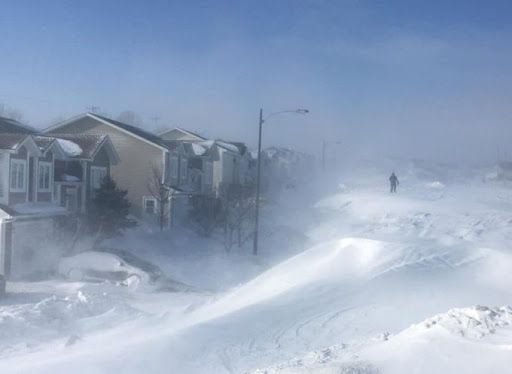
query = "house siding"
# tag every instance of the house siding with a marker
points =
(137, 158)
(30, 241)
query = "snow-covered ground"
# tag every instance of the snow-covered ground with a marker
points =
(351, 279)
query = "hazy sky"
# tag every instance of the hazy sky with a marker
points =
(421, 78)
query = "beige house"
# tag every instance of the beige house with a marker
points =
(140, 153)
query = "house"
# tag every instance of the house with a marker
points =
(87, 160)
(142, 153)
(31, 192)
(221, 164)
(26, 209)
(181, 134)
(284, 168)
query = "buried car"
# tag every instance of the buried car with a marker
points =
(116, 266)
(101, 266)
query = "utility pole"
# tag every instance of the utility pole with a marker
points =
(258, 176)
(258, 172)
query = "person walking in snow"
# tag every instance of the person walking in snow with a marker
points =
(393, 180)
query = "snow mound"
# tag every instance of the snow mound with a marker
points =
(344, 260)
(70, 148)
(23, 325)
(436, 185)
(325, 361)
(341, 263)
(472, 323)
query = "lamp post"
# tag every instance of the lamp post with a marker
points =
(258, 171)
(324, 147)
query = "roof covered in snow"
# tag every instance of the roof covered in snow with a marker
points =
(191, 149)
(34, 209)
(76, 146)
(229, 146)
(81, 146)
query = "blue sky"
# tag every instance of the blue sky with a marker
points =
(422, 78)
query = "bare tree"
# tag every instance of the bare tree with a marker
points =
(162, 194)
(237, 213)
(205, 214)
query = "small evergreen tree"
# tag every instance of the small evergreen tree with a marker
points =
(108, 215)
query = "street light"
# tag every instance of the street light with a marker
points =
(324, 147)
(258, 175)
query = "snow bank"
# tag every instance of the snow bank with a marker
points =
(346, 260)
(29, 325)
(473, 340)
(423, 346)
(471, 323)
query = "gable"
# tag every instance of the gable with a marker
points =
(179, 134)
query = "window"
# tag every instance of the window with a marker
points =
(98, 173)
(149, 205)
(208, 173)
(183, 170)
(18, 175)
(174, 167)
(44, 176)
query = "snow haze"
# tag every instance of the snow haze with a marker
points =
(425, 80)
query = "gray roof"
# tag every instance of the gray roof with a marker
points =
(12, 126)
(149, 136)
(11, 141)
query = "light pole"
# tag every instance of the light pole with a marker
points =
(258, 171)
(324, 147)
